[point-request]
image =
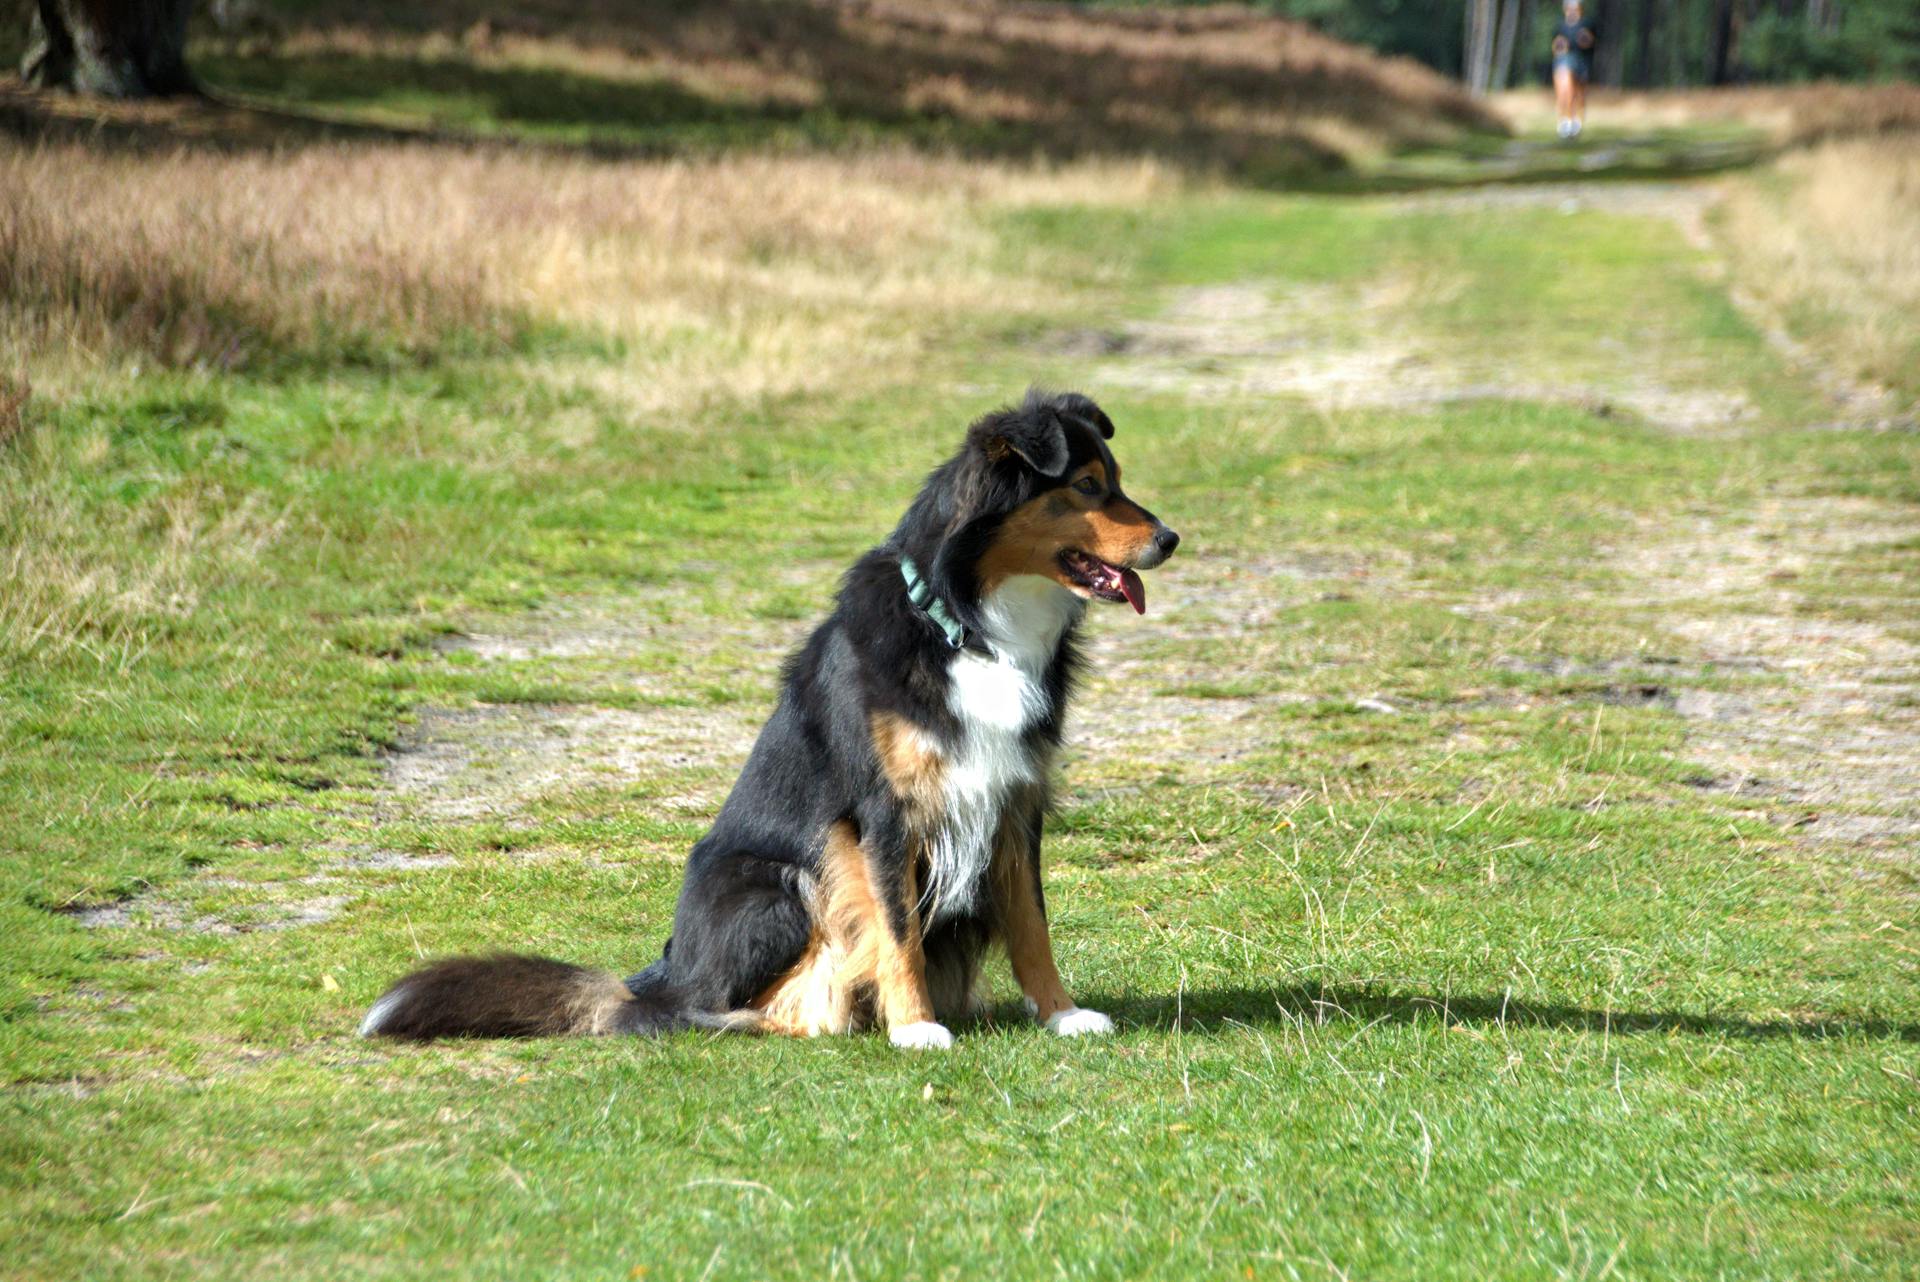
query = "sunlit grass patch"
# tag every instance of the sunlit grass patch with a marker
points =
(1441, 940)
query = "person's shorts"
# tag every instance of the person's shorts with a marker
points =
(1571, 63)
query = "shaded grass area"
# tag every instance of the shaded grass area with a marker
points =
(1488, 987)
(1603, 152)
(1218, 88)
(633, 113)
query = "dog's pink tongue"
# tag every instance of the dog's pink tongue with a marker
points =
(1136, 591)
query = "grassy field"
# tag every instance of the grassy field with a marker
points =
(1496, 843)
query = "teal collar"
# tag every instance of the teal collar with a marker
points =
(927, 601)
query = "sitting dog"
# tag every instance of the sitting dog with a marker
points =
(886, 828)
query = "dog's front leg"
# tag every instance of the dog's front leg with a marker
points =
(1021, 905)
(901, 997)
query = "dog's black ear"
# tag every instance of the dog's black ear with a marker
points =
(1034, 432)
(1076, 406)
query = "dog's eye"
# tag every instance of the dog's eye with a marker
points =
(1087, 486)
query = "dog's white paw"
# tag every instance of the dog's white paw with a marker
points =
(924, 1036)
(1075, 1022)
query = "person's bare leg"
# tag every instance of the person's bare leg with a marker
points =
(1579, 103)
(1563, 96)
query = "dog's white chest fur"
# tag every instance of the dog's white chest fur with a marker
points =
(996, 698)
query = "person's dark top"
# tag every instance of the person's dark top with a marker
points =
(1577, 49)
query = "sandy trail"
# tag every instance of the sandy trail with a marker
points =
(1831, 731)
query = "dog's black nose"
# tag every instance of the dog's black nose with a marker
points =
(1166, 540)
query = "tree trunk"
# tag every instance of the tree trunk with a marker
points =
(1503, 45)
(1648, 14)
(1609, 55)
(1479, 50)
(1720, 43)
(116, 48)
(1523, 43)
(1674, 19)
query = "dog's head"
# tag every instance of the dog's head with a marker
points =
(1037, 493)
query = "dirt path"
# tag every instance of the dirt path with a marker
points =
(1827, 732)
(1341, 348)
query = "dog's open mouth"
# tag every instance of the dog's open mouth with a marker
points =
(1103, 581)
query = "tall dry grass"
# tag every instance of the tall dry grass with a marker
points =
(1830, 239)
(755, 274)
(715, 281)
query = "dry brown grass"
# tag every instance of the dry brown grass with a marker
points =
(14, 394)
(202, 239)
(1788, 114)
(221, 237)
(195, 258)
(751, 274)
(1831, 240)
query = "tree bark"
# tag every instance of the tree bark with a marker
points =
(1720, 43)
(1527, 65)
(115, 48)
(1503, 47)
(1674, 19)
(1479, 50)
(1647, 14)
(1610, 55)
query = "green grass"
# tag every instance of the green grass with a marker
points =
(1487, 988)
(1605, 151)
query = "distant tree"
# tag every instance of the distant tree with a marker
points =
(1609, 56)
(1510, 11)
(1481, 20)
(1647, 19)
(1650, 43)
(1720, 37)
(115, 48)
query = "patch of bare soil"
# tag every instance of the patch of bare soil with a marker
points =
(171, 914)
(492, 760)
(1684, 203)
(1835, 737)
(656, 618)
(1137, 713)
(1342, 349)
(489, 762)
(372, 860)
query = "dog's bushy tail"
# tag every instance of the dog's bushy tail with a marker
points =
(515, 996)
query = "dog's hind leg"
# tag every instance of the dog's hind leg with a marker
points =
(953, 950)
(743, 920)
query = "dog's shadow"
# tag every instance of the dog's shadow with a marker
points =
(1217, 1009)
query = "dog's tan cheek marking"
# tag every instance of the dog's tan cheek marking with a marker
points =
(1030, 539)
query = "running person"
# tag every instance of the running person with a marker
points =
(1572, 67)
